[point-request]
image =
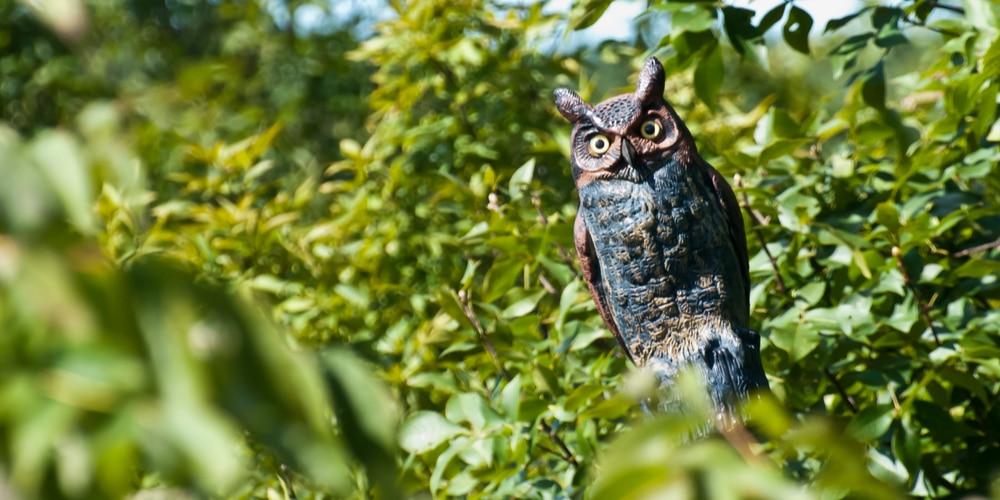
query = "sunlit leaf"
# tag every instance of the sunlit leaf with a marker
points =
(425, 430)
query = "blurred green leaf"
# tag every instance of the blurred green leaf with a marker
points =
(709, 76)
(871, 422)
(233, 240)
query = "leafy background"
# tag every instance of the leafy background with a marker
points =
(248, 255)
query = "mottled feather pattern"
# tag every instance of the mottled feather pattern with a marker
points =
(661, 241)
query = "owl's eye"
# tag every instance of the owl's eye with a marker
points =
(599, 144)
(650, 129)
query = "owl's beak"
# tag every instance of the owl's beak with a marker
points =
(632, 157)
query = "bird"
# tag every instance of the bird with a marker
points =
(661, 242)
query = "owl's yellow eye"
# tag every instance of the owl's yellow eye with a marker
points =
(650, 129)
(599, 144)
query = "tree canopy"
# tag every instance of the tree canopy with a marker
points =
(312, 249)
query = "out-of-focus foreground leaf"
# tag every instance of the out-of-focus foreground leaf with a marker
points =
(108, 374)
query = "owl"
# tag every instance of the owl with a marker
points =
(661, 241)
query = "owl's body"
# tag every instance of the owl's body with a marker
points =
(661, 243)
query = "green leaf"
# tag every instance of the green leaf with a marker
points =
(990, 63)
(906, 446)
(523, 306)
(709, 75)
(873, 86)
(870, 423)
(567, 299)
(853, 44)
(510, 397)
(797, 29)
(886, 22)
(887, 215)
(472, 408)
(779, 148)
(739, 27)
(425, 430)
(611, 408)
(796, 337)
(840, 22)
(363, 400)
(521, 179)
(581, 395)
(57, 155)
(692, 19)
(966, 380)
(443, 460)
(587, 12)
(772, 17)
(811, 293)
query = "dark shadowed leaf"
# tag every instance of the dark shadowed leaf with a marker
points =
(797, 28)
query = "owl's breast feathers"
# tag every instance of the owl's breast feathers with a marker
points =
(667, 267)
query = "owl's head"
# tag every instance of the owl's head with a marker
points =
(628, 136)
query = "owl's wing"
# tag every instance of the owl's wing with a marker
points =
(591, 268)
(737, 231)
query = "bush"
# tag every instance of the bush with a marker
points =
(218, 278)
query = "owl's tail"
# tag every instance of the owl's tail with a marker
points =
(727, 362)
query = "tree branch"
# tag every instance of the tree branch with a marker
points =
(942, 6)
(921, 305)
(978, 248)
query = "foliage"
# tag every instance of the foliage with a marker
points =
(212, 261)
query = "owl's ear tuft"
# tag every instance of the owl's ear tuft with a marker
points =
(570, 104)
(650, 83)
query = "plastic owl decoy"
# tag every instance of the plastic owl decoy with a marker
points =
(661, 241)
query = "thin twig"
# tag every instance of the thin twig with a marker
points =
(759, 220)
(567, 455)
(840, 390)
(478, 327)
(936, 5)
(978, 248)
(463, 297)
(939, 5)
(921, 305)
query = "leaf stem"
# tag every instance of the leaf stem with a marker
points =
(895, 401)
